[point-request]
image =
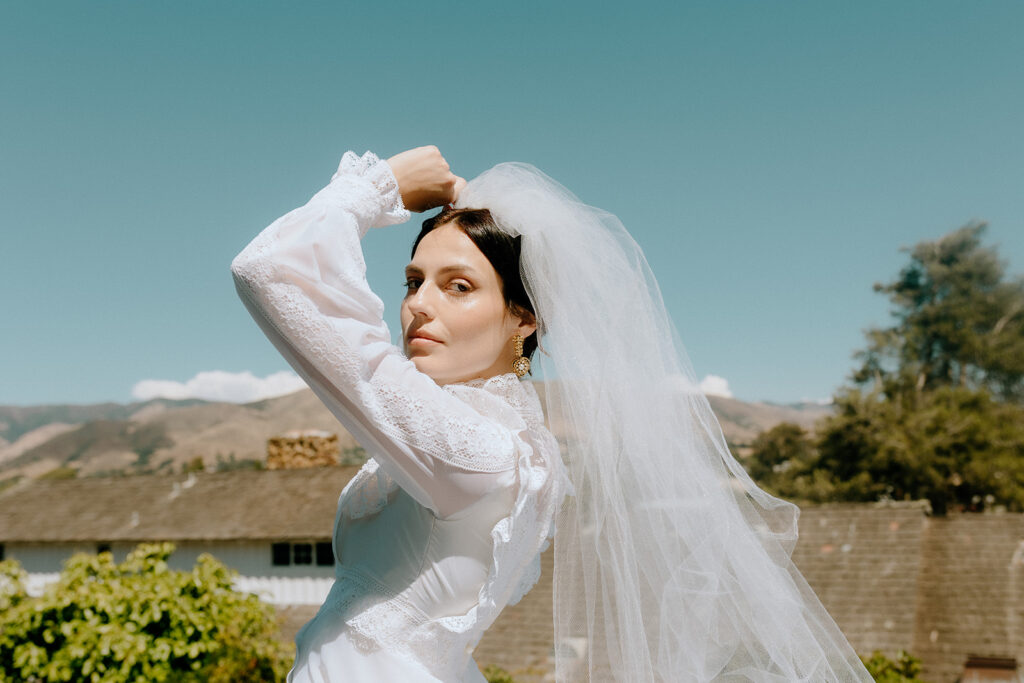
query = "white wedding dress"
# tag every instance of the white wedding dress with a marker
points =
(444, 524)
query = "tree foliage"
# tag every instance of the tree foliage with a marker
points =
(959, 322)
(936, 409)
(137, 621)
(954, 446)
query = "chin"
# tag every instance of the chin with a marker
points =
(423, 365)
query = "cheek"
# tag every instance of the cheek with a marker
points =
(479, 323)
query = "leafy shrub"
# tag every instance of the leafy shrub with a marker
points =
(137, 621)
(904, 669)
(495, 674)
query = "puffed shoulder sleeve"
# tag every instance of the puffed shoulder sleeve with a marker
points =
(303, 280)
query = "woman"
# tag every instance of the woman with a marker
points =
(670, 563)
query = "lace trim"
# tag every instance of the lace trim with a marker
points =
(369, 490)
(379, 172)
(517, 393)
(518, 538)
(372, 611)
(479, 445)
(519, 407)
(531, 575)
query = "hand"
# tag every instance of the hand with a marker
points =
(424, 178)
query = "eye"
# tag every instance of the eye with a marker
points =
(464, 286)
(410, 283)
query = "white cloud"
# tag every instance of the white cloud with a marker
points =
(217, 385)
(711, 384)
(715, 386)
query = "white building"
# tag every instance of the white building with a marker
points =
(272, 526)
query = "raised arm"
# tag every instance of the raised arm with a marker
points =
(303, 279)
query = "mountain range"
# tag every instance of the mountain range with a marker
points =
(164, 435)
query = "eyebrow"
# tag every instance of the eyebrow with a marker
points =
(457, 266)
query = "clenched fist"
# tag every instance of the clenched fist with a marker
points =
(424, 178)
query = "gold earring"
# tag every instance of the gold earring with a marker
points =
(521, 364)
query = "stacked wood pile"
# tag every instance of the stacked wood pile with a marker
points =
(297, 448)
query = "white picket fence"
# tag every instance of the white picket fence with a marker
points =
(276, 590)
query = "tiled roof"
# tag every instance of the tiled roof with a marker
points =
(971, 592)
(233, 505)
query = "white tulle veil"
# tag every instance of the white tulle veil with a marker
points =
(670, 563)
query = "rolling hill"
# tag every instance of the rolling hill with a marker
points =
(163, 435)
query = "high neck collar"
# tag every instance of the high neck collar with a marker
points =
(518, 393)
(496, 380)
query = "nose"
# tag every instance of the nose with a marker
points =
(421, 301)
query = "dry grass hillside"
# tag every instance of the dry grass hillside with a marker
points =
(163, 435)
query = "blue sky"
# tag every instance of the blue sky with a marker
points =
(770, 158)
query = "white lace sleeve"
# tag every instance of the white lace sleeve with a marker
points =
(303, 279)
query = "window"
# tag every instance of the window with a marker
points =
(1, 552)
(280, 554)
(286, 554)
(102, 548)
(990, 669)
(324, 555)
(302, 553)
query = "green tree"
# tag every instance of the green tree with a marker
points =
(959, 322)
(955, 446)
(784, 461)
(778, 450)
(137, 621)
(935, 408)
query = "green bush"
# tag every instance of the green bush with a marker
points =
(138, 621)
(904, 669)
(495, 674)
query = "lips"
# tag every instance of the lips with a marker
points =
(423, 336)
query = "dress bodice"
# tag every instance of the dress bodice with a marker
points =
(437, 566)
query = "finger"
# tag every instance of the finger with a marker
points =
(460, 183)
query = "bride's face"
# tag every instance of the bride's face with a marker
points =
(454, 296)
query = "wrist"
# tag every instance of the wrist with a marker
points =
(377, 185)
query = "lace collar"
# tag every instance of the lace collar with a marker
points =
(504, 379)
(518, 393)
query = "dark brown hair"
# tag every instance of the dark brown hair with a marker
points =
(501, 249)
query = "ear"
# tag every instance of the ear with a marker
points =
(527, 324)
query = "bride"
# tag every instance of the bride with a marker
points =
(670, 563)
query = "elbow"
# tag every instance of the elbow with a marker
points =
(245, 270)
(241, 265)
(245, 273)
